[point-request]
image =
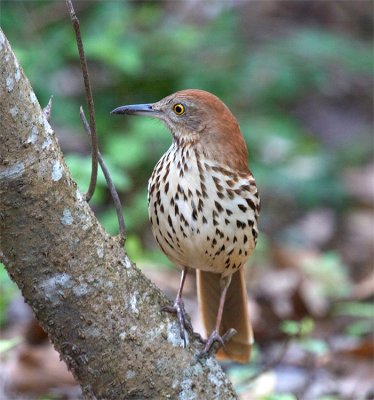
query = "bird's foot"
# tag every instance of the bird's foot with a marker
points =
(215, 341)
(183, 319)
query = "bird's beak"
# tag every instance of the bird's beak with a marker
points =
(137, 109)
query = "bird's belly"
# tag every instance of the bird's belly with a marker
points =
(196, 225)
(214, 250)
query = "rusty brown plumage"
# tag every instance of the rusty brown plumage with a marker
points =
(203, 208)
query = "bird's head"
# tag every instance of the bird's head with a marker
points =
(197, 117)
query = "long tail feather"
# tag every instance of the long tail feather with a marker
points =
(235, 313)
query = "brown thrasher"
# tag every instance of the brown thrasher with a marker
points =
(203, 208)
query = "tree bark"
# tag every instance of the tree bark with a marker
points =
(101, 313)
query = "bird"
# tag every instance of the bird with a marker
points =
(203, 207)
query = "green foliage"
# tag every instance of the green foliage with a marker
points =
(329, 273)
(136, 251)
(301, 332)
(355, 309)
(239, 376)
(315, 346)
(362, 313)
(360, 328)
(282, 396)
(80, 168)
(330, 398)
(7, 291)
(8, 344)
(298, 328)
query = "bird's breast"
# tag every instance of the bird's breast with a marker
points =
(203, 215)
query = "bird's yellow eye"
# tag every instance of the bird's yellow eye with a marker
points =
(178, 108)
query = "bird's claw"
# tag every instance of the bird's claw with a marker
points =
(214, 337)
(215, 341)
(183, 320)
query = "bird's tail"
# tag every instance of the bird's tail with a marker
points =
(235, 313)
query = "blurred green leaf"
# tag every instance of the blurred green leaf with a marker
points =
(298, 328)
(282, 396)
(315, 346)
(330, 272)
(360, 328)
(330, 398)
(355, 309)
(8, 344)
(7, 291)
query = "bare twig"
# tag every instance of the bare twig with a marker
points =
(112, 189)
(90, 103)
(48, 109)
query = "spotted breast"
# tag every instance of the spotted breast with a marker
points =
(202, 215)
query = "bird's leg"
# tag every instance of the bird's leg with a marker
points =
(215, 336)
(178, 308)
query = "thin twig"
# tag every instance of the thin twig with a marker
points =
(112, 189)
(90, 103)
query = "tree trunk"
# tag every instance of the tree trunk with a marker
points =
(101, 313)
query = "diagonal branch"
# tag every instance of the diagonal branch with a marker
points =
(89, 98)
